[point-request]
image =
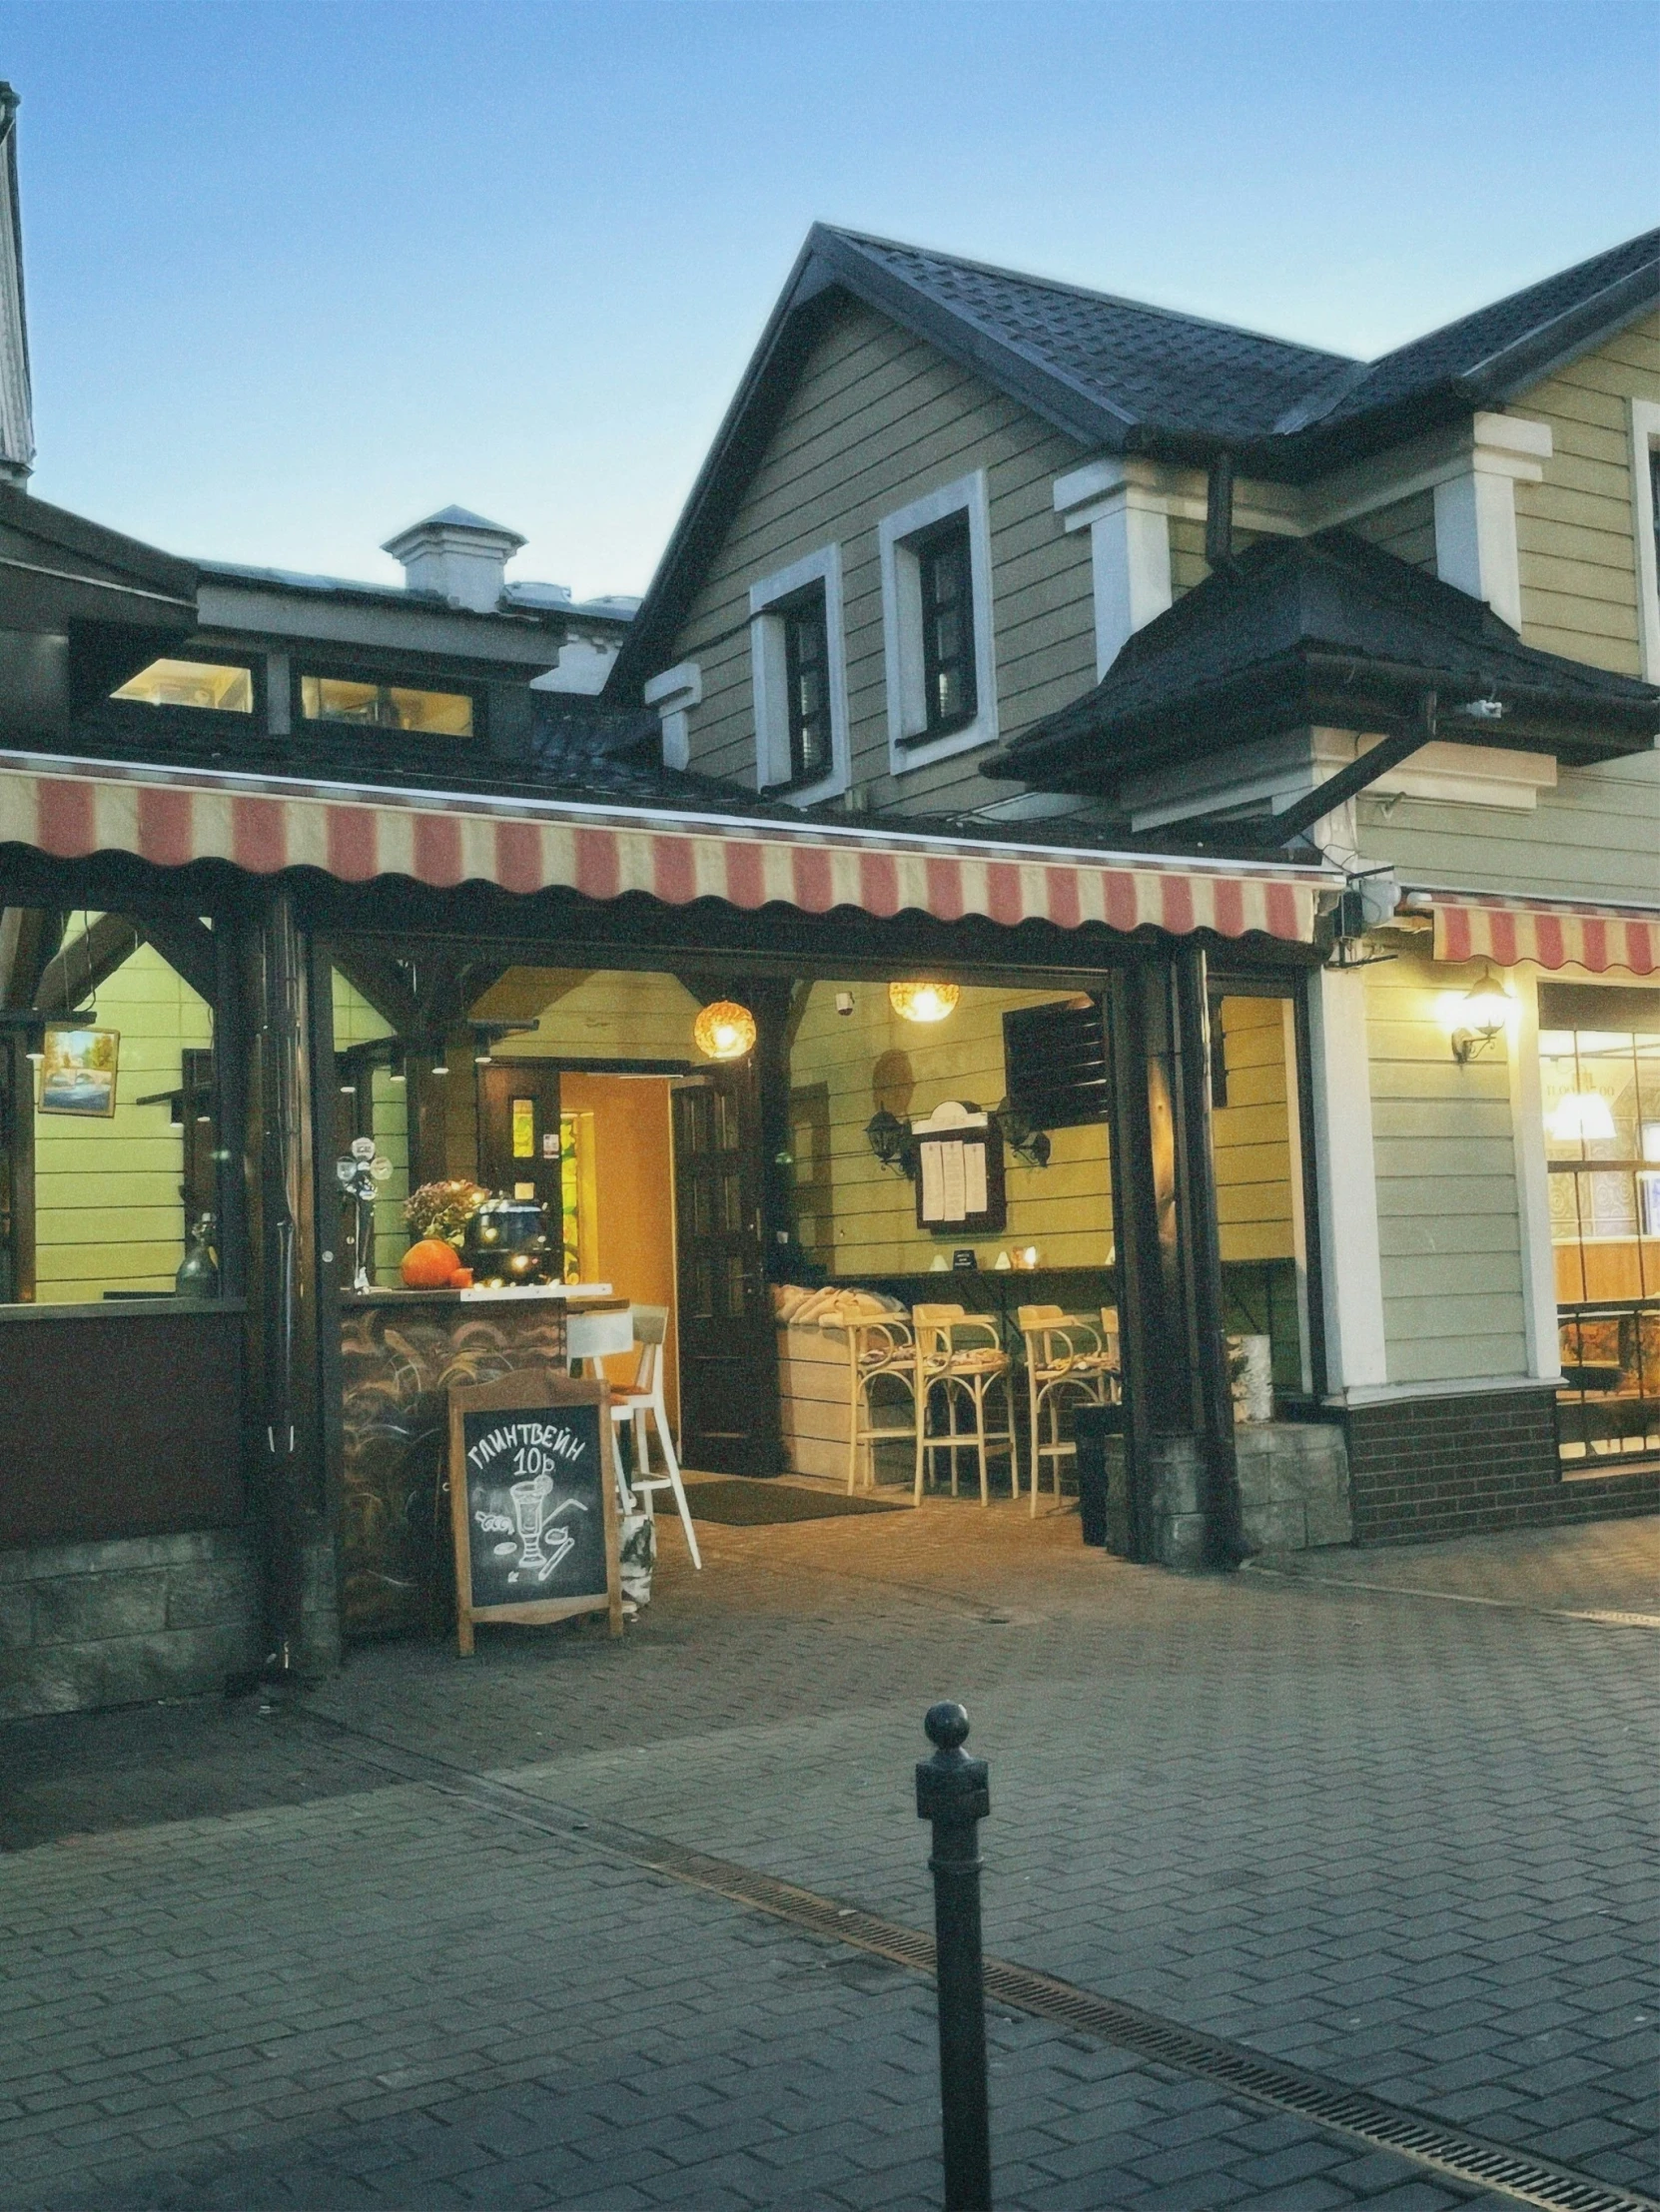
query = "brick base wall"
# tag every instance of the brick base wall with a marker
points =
(1458, 1466)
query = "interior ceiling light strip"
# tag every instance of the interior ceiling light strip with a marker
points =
(1233, 2067)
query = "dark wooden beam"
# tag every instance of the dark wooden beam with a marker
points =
(186, 946)
(86, 962)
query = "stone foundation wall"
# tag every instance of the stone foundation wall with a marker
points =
(129, 1621)
(1294, 1486)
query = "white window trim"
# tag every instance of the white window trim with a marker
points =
(1645, 437)
(767, 668)
(902, 623)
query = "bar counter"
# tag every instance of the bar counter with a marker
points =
(399, 1352)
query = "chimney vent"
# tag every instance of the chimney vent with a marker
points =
(456, 556)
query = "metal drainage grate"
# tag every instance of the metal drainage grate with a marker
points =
(1231, 2066)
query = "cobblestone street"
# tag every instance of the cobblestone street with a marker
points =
(1387, 1816)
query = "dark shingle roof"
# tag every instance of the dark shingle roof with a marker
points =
(1332, 631)
(1120, 377)
(1491, 352)
(1147, 366)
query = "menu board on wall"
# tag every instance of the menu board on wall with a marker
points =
(959, 1154)
(533, 1497)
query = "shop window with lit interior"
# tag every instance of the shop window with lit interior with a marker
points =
(110, 1156)
(214, 687)
(366, 703)
(1599, 1068)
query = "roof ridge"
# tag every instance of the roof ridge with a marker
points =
(1089, 292)
(1508, 298)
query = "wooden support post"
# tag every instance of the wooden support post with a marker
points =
(290, 1458)
(1177, 1406)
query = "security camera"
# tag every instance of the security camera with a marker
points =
(844, 1001)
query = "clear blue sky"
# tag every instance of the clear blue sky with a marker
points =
(298, 273)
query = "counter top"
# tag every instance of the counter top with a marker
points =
(119, 1309)
(586, 1298)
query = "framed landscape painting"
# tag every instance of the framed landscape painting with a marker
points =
(77, 1071)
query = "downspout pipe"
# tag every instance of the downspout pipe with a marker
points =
(1281, 828)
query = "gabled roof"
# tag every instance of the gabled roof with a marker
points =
(1118, 376)
(1330, 631)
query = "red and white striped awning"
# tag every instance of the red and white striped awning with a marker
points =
(73, 809)
(1552, 933)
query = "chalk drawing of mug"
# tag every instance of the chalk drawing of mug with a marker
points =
(535, 1524)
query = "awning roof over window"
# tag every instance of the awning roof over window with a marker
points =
(73, 809)
(1553, 933)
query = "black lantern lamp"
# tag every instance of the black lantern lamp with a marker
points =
(889, 1139)
(1029, 1144)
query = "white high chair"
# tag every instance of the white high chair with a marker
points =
(1066, 1355)
(962, 1354)
(641, 1401)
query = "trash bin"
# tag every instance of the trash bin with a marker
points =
(1103, 1503)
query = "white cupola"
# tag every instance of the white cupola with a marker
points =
(456, 556)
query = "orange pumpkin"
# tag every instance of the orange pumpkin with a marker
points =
(430, 1265)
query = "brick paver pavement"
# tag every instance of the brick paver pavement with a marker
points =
(1403, 1841)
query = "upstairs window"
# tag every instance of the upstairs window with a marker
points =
(945, 578)
(800, 679)
(807, 684)
(219, 686)
(940, 667)
(385, 706)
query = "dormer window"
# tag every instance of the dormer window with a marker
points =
(937, 624)
(798, 665)
(366, 704)
(219, 686)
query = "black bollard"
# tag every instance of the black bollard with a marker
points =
(952, 1792)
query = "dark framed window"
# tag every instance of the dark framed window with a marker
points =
(1055, 1063)
(370, 703)
(807, 684)
(216, 687)
(1654, 507)
(945, 572)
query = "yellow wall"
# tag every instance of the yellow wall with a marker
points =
(632, 1238)
(108, 1213)
(870, 1226)
(1252, 1134)
(611, 1013)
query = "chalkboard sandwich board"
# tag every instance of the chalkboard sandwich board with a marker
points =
(533, 1500)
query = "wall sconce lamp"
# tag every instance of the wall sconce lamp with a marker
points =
(1029, 1144)
(1481, 1019)
(889, 1139)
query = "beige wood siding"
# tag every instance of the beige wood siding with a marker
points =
(1574, 529)
(1406, 530)
(1597, 835)
(877, 420)
(1252, 1138)
(1448, 1216)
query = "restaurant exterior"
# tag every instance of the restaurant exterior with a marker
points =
(1038, 903)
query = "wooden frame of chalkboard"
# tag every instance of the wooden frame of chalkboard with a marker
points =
(528, 1455)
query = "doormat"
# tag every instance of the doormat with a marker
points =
(743, 1501)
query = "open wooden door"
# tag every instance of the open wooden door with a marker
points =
(729, 1415)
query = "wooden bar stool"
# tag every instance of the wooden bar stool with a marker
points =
(1065, 1356)
(877, 1350)
(641, 1401)
(962, 1355)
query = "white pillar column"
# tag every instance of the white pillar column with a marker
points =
(1351, 1267)
(1128, 520)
